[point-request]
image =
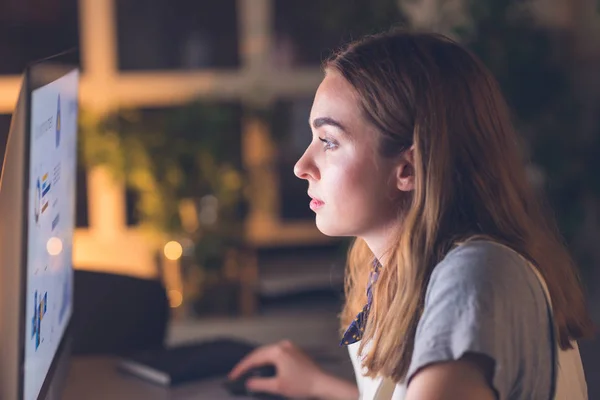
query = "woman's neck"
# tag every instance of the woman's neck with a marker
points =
(381, 242)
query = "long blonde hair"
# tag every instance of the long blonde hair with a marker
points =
(426, 91)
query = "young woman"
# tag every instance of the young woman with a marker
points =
(458, 286)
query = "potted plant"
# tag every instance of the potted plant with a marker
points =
(184, 166)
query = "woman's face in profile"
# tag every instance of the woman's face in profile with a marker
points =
(352, 186)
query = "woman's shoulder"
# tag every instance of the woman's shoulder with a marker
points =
(487, 268)
(483, 259)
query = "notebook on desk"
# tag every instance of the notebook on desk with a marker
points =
(187, 363)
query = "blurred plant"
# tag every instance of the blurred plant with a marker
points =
(183, 164)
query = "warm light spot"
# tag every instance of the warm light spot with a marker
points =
(54, 246)
(175, 298)
(188, 214)
(173, 250)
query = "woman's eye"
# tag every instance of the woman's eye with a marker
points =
(329, 144)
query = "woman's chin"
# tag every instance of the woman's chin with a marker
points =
(330, 228)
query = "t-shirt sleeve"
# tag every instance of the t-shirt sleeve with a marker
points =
(483, 298)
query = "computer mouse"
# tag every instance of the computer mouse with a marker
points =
(237, 387)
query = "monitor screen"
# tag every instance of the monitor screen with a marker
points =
(50, 225)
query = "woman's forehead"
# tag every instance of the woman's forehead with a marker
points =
(337, 99)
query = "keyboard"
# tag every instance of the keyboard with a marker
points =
(188, 362)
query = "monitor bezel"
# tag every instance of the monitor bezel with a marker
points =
(60, 67)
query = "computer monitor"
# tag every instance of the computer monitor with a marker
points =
(37, 219)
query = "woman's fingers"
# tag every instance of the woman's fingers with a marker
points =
(297, 375)
(260, 356)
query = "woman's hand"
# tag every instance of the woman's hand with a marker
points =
(297, 376)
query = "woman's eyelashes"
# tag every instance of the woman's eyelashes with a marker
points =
(328, 144)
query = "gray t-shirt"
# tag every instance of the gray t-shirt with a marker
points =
(484, 298)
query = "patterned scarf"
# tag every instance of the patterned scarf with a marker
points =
(356, 329)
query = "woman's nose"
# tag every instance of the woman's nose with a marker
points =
(299, 169)
(305, 168)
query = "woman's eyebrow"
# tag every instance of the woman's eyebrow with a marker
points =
(319, 122)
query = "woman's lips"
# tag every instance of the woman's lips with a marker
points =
(316, 204)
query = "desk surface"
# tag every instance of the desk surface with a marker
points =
(96, 377)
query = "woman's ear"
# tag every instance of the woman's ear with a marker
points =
(405, 171)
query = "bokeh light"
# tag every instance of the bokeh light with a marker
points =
(175, 298)
(173, 250)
